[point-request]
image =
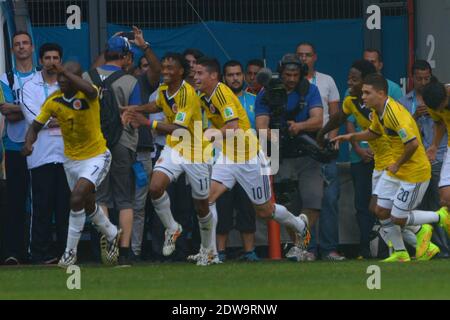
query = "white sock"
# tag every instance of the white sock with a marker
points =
(207, 226)
(162, 208)
(393, 233)
(409, 237)
(419, 217)
(213, 211)
(284, 217)
(76, 225)
(102, 223)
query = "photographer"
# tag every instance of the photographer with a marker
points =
(301, 112)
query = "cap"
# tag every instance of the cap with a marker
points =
(118, 44)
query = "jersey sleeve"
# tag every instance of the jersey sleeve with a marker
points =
(402, 127)
(347, 106)
(435, 115)
(227, 107)
(46, 112)
(186, 106)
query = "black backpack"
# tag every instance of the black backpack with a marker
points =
(110, 120)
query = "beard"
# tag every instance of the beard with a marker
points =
(238, 89)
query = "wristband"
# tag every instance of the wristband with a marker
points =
(154, 124)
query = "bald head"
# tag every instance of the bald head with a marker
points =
(73, 67)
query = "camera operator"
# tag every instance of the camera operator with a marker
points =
(301, 112)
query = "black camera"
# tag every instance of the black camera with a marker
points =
(275, 97)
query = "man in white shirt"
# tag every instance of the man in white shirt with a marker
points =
(329, 216)
(49, 188)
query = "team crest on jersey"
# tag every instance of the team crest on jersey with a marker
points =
(371, 116)
(77, 104)
(174, 108)
(212, 108)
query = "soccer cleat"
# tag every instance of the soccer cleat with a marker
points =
(248, 257)
(196, 257)
(333, 256)
(208, 258)
(222, 256)
(110, 249)
(170, 238)
(444, 219)
(69, 258)
(423, 239)
(398, 256)
(11, 261)
(296, 254)
(430, 253)
(304, 237)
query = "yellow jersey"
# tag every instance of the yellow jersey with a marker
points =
(183, 109)
(224, 106)
(79, 119)
(381, 147)
(444, 116)
(398, 124)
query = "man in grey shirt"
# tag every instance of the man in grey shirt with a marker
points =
(117, 190)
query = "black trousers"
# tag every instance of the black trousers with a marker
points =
(14, 217)
(51, 198)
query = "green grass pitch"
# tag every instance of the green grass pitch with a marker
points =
(232, 280)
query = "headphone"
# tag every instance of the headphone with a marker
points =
(291, 58)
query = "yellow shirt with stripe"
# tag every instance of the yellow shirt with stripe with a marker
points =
(79, 119)
(381, 147)
(399, 125)
(222, 107)
(444, 116)
(183, 109)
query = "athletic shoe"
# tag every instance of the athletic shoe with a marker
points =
(170, 237)
(444, 219)
(296, 254)
(248, 257)
(333, 256)
(110, 249)
(196, 257)
(310, 256)
(11, 261)
(222, 256)
(304, 237)
(398, 256)
(430, 253)
(423, 239)
(69, 258)
(208, 258)
(123, 262)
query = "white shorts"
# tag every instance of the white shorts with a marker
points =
(444, 181)
(376, 175)
(197, 174)
(400, 196)
(93, 169)
(250, 176)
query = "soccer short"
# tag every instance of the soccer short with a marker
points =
(172, 164)
(93, 169)
(400, 196)
(250, 176)
(376, 175)
(444, 181)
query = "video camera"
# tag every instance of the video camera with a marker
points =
(275, 97)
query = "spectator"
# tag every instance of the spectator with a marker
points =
(253, 66)
(329, 217)
(192, 55)
(374, 56)
(17, 177)
(308, 120)
(150, 72)
(236, 198)
(49, 189)
(118, 189)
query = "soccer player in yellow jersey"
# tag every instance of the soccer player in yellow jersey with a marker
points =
(240, 159)
(380, 149)
(77, 109)
(181, 106)
(403, 185)
(437, 98)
